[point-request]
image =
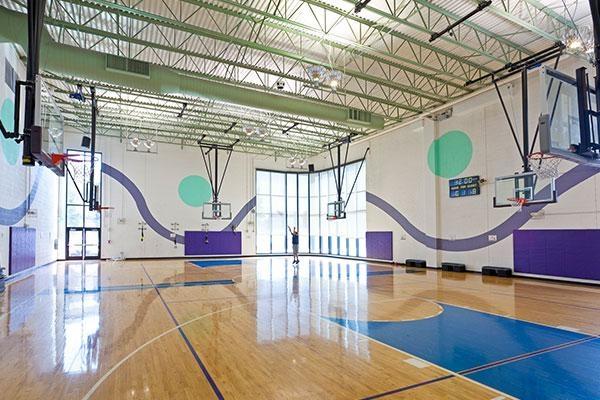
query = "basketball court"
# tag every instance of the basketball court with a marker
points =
(311, 199)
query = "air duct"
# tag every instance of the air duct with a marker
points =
(75, 62)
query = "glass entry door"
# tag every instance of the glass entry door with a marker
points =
(82, 225)
(83, 243)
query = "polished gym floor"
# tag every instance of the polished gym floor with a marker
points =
(258, 328)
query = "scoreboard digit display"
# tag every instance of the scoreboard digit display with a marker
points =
(462, 187)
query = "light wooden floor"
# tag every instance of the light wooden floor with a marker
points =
(265, 337)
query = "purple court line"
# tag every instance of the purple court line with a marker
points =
(527, 355)
(405, 388)
(210, 379)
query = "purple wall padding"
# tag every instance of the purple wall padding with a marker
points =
(21, 253)
(380, 245)
(569, 253)
(219, 242)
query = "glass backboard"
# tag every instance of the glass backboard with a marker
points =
(216, 210)
(562, 118)
(528, 186)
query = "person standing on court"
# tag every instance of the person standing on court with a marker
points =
(295, 241)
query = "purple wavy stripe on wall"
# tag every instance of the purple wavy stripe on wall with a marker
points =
(10, 216)
(239, 217)
(147, 216)
(565, 182)
(140, 202)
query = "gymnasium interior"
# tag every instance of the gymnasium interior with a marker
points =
(300, 199)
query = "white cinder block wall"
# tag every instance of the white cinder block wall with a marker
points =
(17, 181)
(158, 177)
(397, 171)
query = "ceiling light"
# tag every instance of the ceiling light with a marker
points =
(249, 130)
(302, 162)
(316, 73)
(149, 143)
(334, 79)
(579, 41)
(134, 142)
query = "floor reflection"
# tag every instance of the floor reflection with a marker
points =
(81, 318)
(291, 301)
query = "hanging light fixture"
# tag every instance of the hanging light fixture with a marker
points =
(334, 79)
(316, 73)
(134, 142)
(320, 75)
(579, 40)
(149, 144)
(302, 162)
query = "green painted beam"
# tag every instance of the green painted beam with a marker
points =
(420, 28)
(551, 13)
(103, 33)
(72, 61)
(103, 5)
(298, 28)
(518, 21)
(474, 26)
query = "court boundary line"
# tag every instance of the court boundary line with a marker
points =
(409, 387)
(203, 367)
(525, 356)
(450, 373)
(447, 371)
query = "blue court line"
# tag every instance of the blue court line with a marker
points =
(158, 285)
(216, 263)
(207, 375)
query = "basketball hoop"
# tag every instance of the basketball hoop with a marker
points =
(64, 157)
(517, 202)
(545, 165)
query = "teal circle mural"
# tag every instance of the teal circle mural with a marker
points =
(194, 190)
(450, 155)
(9, 146)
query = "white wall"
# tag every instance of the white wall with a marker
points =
(397, 171)
(158, 177)
(16, 181)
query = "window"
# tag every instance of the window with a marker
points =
(300, 199)
(82, 225)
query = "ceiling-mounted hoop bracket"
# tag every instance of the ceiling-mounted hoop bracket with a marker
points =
(339, 172)
(524, 148)
(216, 179)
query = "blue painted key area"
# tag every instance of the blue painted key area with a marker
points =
(523, 359)
(216, 263)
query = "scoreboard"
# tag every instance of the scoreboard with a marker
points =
(462, 187)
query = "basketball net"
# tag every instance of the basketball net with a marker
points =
(545, 166)
(517, 202)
